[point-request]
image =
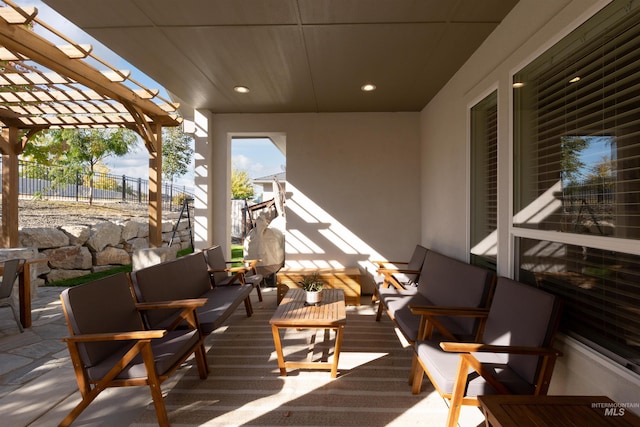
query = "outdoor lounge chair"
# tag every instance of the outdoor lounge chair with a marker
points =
(223, 273)
(109, 346)
(445, 282)
(514, 355)
(11, 270)
(402, 274)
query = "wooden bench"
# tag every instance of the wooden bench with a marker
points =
(347, 279)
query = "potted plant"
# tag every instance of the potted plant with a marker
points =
(312, 285)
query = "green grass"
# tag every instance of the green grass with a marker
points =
(94, 276)
(237, 253)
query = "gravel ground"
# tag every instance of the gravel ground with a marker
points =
(51, 214)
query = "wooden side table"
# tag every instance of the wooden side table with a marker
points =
(293, 313)
(24, 290)
(557, 411)
(347, 279)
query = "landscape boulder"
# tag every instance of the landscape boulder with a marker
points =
(112, 256)
(69, 258)
(104, 234)
(78, 234)
(42, 238)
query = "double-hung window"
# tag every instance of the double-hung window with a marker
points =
(577, 178)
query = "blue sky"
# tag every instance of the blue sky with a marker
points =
(258, 157)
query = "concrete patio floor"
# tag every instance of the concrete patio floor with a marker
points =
(38, 387)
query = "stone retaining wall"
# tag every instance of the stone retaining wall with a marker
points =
(75, 250)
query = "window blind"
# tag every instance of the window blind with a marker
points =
(484, 178)
(577, 170)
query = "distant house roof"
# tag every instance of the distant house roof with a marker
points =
(281, 176)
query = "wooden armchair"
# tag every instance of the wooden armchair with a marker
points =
(109, 346)
(223, 273)
(401, 274)
(513, 356)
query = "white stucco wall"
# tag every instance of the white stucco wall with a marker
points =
(352, 183)
(532, 27)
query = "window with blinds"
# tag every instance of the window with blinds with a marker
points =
(577, 172)
(484, 179)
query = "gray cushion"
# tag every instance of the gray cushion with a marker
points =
(215, 260)
(167, 351)
(443, 368)
(104, 305)
(221, 303)
(524, 316)
(183, 278)
(449, 282)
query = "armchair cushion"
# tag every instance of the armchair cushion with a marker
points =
(521, 324)
(168, 351)
(443, 367)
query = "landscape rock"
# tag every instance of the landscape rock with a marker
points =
(78, 234)
(104, 234)
(136, 244)
(130, 230)
(70, 258)
(112, 256)
(42, 238)
(57, 275)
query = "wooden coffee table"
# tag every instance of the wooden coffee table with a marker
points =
(293, 313)
(556, 411)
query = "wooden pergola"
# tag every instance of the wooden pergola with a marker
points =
(44, 85)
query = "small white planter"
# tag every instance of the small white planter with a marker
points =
(313, 298)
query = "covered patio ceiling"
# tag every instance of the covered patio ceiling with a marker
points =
(51, 81)
(293, 55)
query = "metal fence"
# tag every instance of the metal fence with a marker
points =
(62, 183)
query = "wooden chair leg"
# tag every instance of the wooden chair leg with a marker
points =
(458, 392)
(380, 310)
(259, 290)
(418, 375)
(412, 372)
(201, 361)
(154, 387)
(248, 307)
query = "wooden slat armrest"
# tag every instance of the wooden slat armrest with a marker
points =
(458, 347)
(238, 269)
(397, 270)
(251, 263)
(181, 303)
(117, 336)
(389, 262)
(434, 310)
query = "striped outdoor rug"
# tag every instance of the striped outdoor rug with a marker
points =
(244, 386)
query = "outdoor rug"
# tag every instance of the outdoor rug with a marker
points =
(244, 387)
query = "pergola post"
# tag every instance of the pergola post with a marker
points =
(10, 147)
(155, 188)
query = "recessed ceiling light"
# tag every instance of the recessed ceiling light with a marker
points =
(516, 85)
(368, 87)
(575, 79)
(241, 89)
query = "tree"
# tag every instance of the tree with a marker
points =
(176, 152)
(241, 187)
(81, 149)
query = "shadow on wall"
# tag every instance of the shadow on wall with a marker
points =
(315, 239)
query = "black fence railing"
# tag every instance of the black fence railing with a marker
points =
(62, 183)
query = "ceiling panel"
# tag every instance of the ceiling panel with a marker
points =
(294, 55)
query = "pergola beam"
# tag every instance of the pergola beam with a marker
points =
(70, 93)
